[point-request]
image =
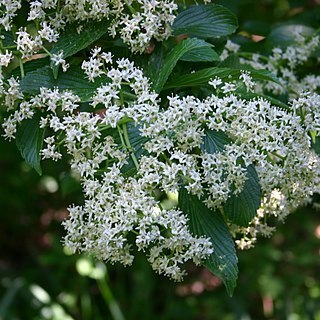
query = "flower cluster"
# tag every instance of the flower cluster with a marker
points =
(137, 22)
(8, 12)
(284, 63)
(135, 144)
(174, 153)
(117, 206)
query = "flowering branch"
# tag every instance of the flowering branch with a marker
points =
(222, 137)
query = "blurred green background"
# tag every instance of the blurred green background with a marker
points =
(39, 279)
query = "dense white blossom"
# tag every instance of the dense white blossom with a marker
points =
(120, 212)
(137, 22)
(9, 10)
(275, 141)
(284, 63)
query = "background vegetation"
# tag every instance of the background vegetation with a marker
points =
(279, 278)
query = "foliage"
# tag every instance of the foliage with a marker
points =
(181, 127)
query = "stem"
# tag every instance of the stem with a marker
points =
(8, 47)
(46, 51)
(184, 4)
(132, 10)
(110, 300)
(278, 155)
(166, 158)
(21, 67)
(121, 138)
(126, 138)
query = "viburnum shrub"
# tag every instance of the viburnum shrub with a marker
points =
(156, 100)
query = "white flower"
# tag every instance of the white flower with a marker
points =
(50, 150)
(247, 80)
(58, 60)
(5, 58)
(9, 12)
(215, 82)
(228, 87)
(48, 33)
(27, 44)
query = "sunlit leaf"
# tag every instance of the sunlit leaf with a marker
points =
(74, 79)
(214, 141)
(170, 61)
(205, 21)
(72, 41)
(204, 53)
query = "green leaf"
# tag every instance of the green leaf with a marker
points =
(172, 58)
(29, 141)
(226, 74)
(214, 141)
(242, 208)
(30, 66)
(72, 42)
(231, 62)
(316, 144)
(205, 21)
(155, 63)
(74, 79)
(7, 38)
(205, 222)
(201, 54)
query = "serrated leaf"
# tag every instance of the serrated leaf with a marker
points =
(71, 42)
(242, 208)
(226, 74)
(29, 141)
(201, 54)
(205, 21)
(74, 79)
(214, 141)
(205, 222)
(172, 58)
